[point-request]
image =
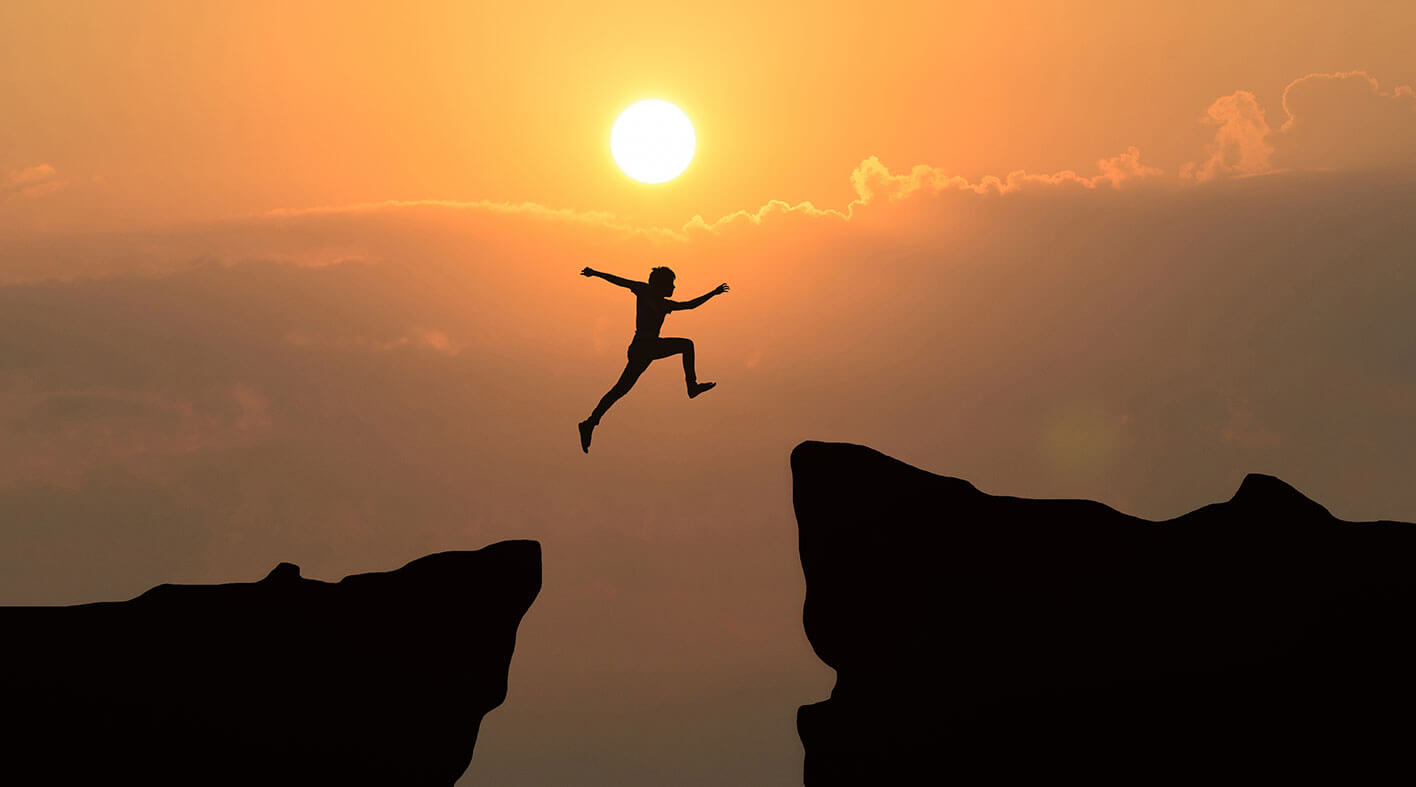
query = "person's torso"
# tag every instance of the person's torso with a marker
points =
(649, 313)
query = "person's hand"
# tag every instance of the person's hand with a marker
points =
(722, 288)
(587, 271)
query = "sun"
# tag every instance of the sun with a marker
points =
(653, 141)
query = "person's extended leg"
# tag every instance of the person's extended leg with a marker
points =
(667, 347)
(632, 370)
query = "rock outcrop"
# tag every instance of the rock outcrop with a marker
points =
(985, 639)
(379, 678)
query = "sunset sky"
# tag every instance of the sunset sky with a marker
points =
(298, 281)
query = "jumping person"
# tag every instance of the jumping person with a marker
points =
(652, 306)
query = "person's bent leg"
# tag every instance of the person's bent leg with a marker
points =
(668, 347)
(690, 373)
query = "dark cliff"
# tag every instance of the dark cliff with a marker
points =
(982, 639)
(379, 678)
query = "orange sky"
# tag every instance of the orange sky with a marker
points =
(295, 281)
(184, 110)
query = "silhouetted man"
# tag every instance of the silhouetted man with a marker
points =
(652, 306)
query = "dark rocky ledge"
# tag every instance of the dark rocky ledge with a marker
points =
(981, 639)
(376, 679)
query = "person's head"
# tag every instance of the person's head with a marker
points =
(661, 281)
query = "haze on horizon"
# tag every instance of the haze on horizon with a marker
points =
(280, 282)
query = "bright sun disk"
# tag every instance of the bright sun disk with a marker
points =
(652, 141)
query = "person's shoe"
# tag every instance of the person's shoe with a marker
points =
(694, 389)
(585, 429)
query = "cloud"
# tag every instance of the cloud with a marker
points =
(1336, 121)
(873, 181)
(100, 424)
(1124, 167)
(596, 219)
(325, 235)
(772, 212)
(875, 184)
(417, 338)
(30, 182)
(1346, 121)
(1240, 146)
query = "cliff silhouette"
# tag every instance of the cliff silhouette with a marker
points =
(988, 639)
(379, 678)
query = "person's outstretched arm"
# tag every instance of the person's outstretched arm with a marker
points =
(699, 301)
(612, 279)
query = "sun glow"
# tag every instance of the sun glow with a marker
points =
(652, 141)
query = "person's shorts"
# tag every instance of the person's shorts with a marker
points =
(645, 350)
